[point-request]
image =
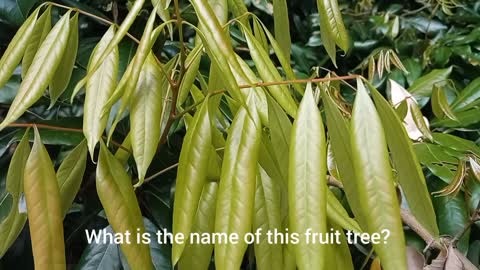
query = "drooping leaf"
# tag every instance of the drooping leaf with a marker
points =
(193, 63)
(44, 209)
(268, 72)
(12, 224)
(70, 175)
(61, 78)
(337, 214)
(115, 190)
(409, 171)
(339, 134)
(100, 256)
(17, 47)
(198, 256)
(282, 26)
(42, 27)
(191, 175)
(99, 88)
(456, 143)
(46, 60)
(307, 182)
(339, 253)
(145, 116)
(267, 217)
(235, 203)
(376, 190)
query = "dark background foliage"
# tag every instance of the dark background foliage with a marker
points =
(425, 35)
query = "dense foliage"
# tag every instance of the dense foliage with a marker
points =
(189, 116)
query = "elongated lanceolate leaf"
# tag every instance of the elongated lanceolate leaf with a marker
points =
(44, 209)
(337, 214)
(191, 176)
(70, 175)
(13, 223)
(282, 26)
(339, 134)
(15, 50)
(62, 75)
(440, 106)
(378, 198)
(99, 88)
(409, 171)
(42, 27)
(331, 26)
(115, 190)
(41, 71)
(267, 217)
(146, 114)
(307, 182)
(236, 194)
(198, 256)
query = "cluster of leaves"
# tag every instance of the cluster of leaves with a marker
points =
(261, 140)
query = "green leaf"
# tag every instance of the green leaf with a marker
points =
(46, 61)
(468, 95)
(114, 188)
(452, 216)
(376, 190)
(16, 11)
(99, 88)
(307, 182)
(100, 256)
(42, 27)
(339, 134)
(456, 143)
(280, 130)
(440, 106)
(12, 224)
(269, 73)
(337, 214)
(198, 256)
(267, 217)
(70, 175)
(282, 26)
(17, 47)
(409, 171)
(422, 87)
(191, 175)
(146, 115)
(61, 78)
(236, 193)
(193, 63)
(463, 119)
(44, 209)
(339, 254)
(331, 26)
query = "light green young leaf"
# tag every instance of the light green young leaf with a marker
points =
(267, 217)
(282, 26)
(40, 73)
(307, 182)
(145, 116)
(193, 63)
(236, 194)
(409, 171)
(337, 214)
(339, 135)
(99, 88)
(42, 27)
(13, 223)
(331, 27)
(198, 256)
(280, 130)
(114, 188)
(339, 254)
(70, 175)
(191, 175)
(44, 209)
(268, 72)
(17, 47)
(61, 78)
(377, 194)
